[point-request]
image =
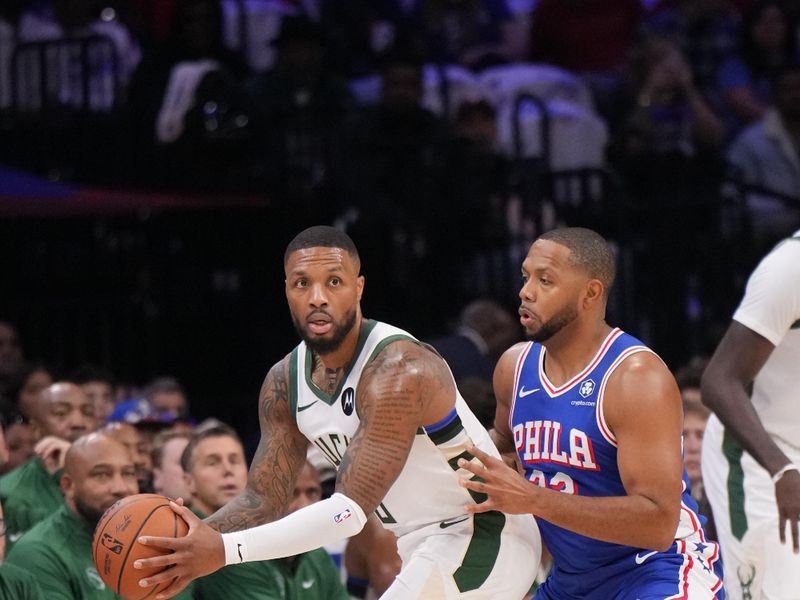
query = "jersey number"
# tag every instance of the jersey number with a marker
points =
(384, 515)
(561, 482)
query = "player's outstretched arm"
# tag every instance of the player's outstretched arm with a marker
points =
(278, 460)
(643, 410)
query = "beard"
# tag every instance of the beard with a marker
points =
(323, 346)
(555, 324)
(90, 514)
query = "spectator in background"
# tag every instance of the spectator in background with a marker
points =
(10, 354)
(31, 492)
(592, 38)
(471, 33)
(20, 439)
(478, 190)
(98, 384)
(393, 171)
(216, 471)
(667, 154)
(9, 16)
(46, 20)
(705, 31)
(299, 104)
(15, 583)
(25, 386)
(167, 398)
(186, 102)
(139, 448)
(485, 330)
(688, 378)
(767, 45)
(168, 475)
(764, 160)
(695, 417)
(58, 551)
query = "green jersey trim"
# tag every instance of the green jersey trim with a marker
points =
(733, 453)
(366, 329)
(482, 552)
(385, 342)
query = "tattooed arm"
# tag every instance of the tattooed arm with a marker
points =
(396, 390)
(278, 460)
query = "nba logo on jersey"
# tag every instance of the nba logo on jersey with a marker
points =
(348, 401)
(587, 387)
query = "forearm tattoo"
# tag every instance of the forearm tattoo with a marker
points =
(278, 460)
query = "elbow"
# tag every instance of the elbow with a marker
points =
(661, 535)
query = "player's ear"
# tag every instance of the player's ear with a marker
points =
(594, 293)
(360, 286)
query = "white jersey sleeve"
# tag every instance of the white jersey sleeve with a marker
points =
(771, 303)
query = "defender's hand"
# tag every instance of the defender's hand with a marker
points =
(506, 489)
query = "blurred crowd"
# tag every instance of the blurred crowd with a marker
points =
(442, 134)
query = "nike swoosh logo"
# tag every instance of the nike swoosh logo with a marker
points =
(523, 392)
(302, 408)
(307, 584)
(13, 537)
(446, 524)
(239, 550)
(640, 559)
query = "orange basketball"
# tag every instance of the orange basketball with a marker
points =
(114, 548)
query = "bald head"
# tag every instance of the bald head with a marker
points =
(63, 410)
(98, 471)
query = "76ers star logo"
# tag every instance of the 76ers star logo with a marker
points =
(587, 387)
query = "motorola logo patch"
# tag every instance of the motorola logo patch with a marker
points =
(348, 401)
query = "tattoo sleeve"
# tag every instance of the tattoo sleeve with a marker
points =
(278, 460)
(391, 398)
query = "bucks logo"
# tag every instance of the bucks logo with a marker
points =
(348, 401)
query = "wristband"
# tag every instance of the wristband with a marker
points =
(782, 471)
(309, 528)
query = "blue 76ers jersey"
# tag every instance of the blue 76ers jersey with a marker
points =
(564, 443)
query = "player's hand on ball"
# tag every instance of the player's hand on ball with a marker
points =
(198, 553)
(506, 490)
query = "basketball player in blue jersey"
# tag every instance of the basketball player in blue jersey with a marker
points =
(594, 418)
(384, 410)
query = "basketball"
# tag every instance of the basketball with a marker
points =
(115, 547)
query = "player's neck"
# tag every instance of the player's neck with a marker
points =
(571, 349)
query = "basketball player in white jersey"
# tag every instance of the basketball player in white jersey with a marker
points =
(751, 446)
(384, 409)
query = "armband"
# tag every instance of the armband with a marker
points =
(783, 470)
(309, 528)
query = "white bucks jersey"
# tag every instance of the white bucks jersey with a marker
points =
(427, 489)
